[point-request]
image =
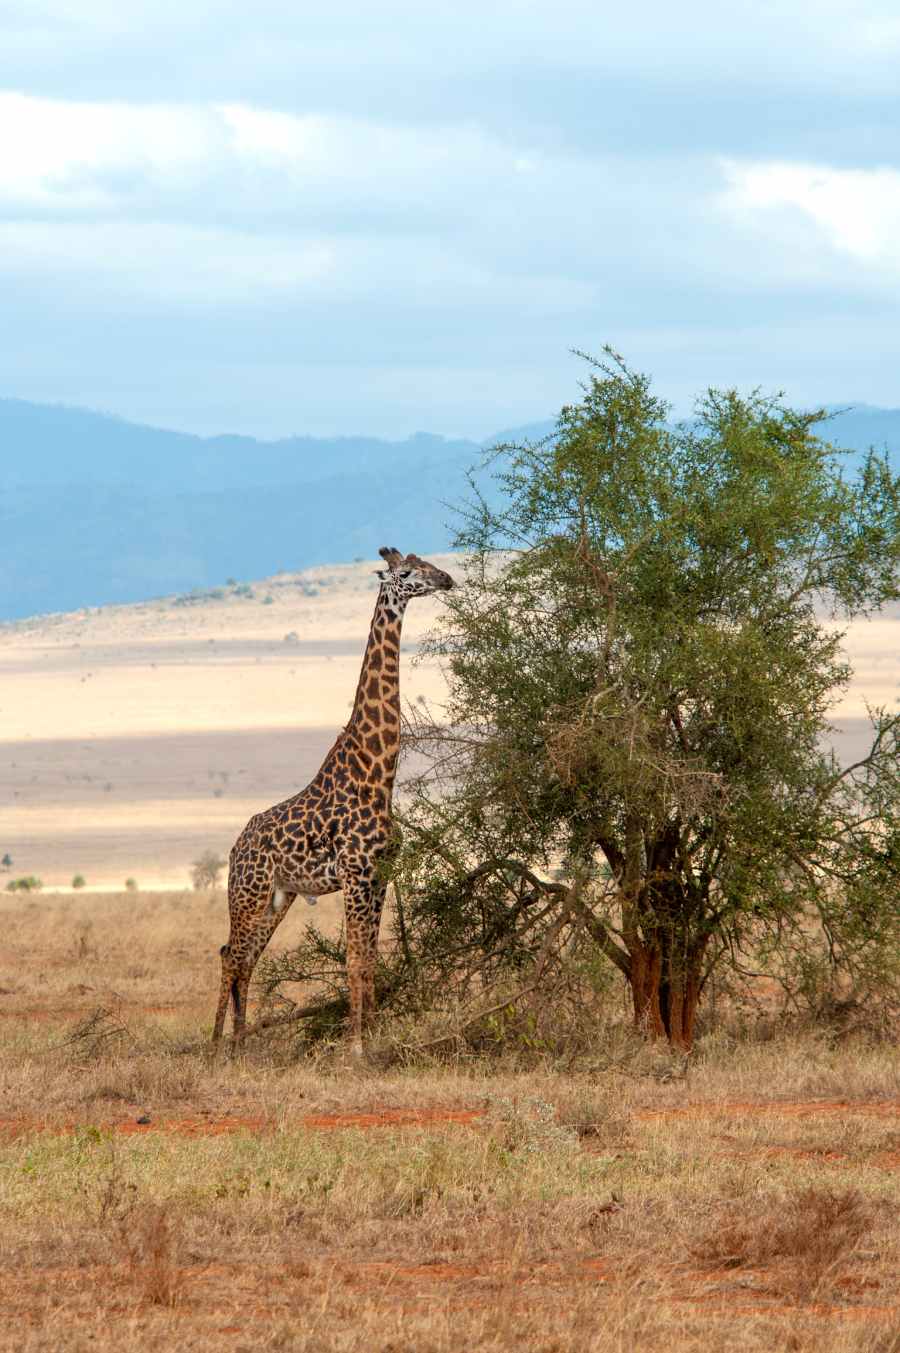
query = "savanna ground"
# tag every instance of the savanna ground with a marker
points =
(627, 1200)
(616, 1200)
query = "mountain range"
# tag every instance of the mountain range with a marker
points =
(94, 509)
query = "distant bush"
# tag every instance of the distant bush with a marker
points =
(192, 598)
(28, 884)
(78, 881)
(6, 862)
(206, 871)
(131, 885)
(268, 600)
(198, 595)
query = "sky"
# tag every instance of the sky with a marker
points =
(347, 217)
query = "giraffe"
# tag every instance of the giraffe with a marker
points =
(336, 832)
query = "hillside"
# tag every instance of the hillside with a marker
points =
(96, 510)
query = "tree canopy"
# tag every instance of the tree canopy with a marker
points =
(634, 751)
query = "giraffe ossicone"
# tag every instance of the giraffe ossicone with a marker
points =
(336, 832)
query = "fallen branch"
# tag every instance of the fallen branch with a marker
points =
(481, 1014)
(268, 1022)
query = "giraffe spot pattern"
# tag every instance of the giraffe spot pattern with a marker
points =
(337, 831)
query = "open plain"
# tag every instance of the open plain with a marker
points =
(133, 738)
(154, 1200)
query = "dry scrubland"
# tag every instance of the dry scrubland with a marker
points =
(152, 1200)
(747, 1200)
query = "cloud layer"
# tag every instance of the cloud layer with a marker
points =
(404, 217)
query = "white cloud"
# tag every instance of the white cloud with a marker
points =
(804, 41)
(856, 211)
(429, 189)
(105, 264)
(62, 157)
(881, 34)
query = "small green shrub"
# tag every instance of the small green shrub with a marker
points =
(27, 884)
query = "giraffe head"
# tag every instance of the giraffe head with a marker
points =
(409, 576)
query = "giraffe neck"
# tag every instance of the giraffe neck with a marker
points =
(375, 721)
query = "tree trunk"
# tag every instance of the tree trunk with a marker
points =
(645, 979)
(665, 999)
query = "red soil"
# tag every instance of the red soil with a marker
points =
(876, 1108)
(201, 1126)
(390, 1118)
(264, 1288)
(209, 1126)
(885, 1160)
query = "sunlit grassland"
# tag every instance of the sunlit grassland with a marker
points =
(747, 1198)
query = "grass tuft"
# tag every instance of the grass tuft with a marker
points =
(149, 1243)
(809, 1235)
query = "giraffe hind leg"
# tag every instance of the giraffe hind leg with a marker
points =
(240, 987)
(226, 993)
(244, 962)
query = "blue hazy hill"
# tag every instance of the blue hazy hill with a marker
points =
(94, 509)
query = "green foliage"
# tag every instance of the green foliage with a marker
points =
(27, 884)
(199, 595)
(640, 680)
(131, 885)
(78, 881)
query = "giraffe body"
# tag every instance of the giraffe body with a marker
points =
(337, 832)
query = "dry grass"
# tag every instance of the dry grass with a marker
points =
(747, 1198)
(809, 1234)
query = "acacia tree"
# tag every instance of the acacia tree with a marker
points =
(640, 676)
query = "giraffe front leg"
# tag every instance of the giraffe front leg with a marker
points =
(362, 908)
(371, 954)
(356, 980)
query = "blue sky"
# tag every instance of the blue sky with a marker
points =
(298, 217)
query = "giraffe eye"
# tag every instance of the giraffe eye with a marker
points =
(405, 573)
